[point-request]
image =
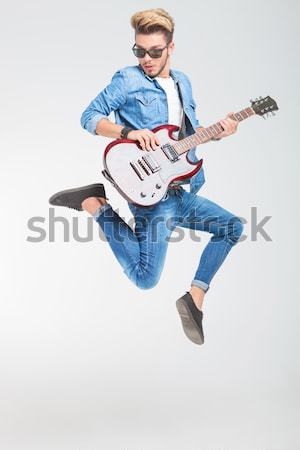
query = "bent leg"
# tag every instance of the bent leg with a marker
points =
(202, 214)
(141, 252)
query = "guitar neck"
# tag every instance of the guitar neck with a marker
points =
(206, 134)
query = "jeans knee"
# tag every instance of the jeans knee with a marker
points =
(235, 229)
(146, 280)
(146, 284)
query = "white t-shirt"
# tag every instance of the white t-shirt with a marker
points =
(174, 103)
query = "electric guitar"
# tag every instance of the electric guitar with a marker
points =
(142, 177)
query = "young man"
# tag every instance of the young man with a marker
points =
(143, 97)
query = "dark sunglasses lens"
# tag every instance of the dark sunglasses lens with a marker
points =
(155, 53)
(139, 52)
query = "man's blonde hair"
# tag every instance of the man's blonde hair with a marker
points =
(152, 21)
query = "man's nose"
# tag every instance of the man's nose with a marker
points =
(147, 58)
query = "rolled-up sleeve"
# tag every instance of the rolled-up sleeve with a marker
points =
(193, 103)
(111, 98)
(194, 108)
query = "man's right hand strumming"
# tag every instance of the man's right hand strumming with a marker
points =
(147, 139)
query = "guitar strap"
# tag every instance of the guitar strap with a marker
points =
(181, 135)
(182, 130)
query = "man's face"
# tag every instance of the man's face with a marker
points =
(153, 66)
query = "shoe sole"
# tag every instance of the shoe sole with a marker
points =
(190, 327)
(56, 196)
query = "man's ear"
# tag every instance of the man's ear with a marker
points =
(171, 46)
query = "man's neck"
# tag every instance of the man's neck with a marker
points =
(164, 73)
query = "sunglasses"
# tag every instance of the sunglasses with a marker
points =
(154, 53)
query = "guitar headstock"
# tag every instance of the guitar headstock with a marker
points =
(264, 106)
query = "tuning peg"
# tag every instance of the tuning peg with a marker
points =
(273, 113)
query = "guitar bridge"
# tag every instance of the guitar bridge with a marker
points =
(138, 170)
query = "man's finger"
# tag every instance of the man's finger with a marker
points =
(142, 143)
(224, 124)
(153, 145)
(148, 141)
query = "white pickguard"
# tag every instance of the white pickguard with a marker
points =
(153, 187)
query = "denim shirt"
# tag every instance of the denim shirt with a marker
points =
(138, 101)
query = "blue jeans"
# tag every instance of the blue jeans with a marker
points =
(142, 251)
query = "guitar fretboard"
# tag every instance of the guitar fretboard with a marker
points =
(206, 134)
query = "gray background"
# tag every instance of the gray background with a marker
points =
(87, 360)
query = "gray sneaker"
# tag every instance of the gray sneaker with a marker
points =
(72, 198)
(191, 318)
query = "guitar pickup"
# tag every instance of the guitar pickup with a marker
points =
(151, 163)
(170, 152)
